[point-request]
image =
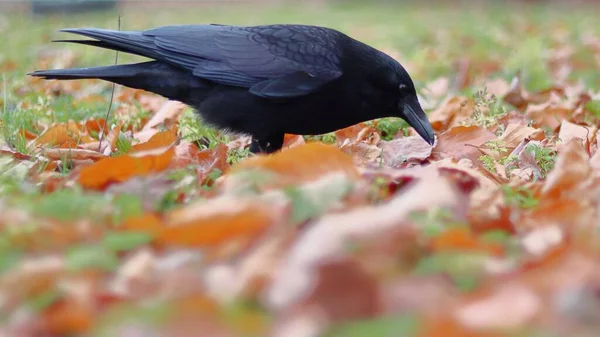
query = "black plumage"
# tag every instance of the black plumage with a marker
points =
(261, 80)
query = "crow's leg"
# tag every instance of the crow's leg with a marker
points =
(267, 144)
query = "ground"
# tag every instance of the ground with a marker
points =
(150, 223)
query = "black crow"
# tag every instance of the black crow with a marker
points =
(264, 81)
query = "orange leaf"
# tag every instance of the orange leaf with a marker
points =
(194, 305)
(145, 222)
(350, 132)
(59, 134)
(67, 317)
(305, 162)
(119, 169)
(95, 125)
(211, 159)
(290, 141)
(75, 154)
(160, 139)
(213, 223)
(16, 155)
(28, 134)
(460, 238)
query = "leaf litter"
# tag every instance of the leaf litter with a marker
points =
(366, 231)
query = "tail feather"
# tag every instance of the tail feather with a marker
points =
(100, 44)
(131, 42)
(153, 76)
(108, 72)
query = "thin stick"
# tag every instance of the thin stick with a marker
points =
(112, 95)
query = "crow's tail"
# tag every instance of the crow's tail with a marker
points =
(153, 76)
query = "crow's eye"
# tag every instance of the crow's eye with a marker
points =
(402, 86)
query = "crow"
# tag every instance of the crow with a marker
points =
(262, 81)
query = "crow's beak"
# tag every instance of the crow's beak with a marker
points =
(416, 117)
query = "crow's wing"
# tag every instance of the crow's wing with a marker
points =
(274, 61)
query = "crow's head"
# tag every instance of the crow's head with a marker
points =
(400, 97)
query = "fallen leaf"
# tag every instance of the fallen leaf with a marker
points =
(411, 149)
(549, 114)
(351, 133)
(68, 317)
(300, 164)
(327, 236)
(292, 141)
(119, 169)
(72, 154)
(462, 142)
(69, 133)
(516, 95)
(509, 306)
(571, 172)
(158, 140)
(515, 133)
(214, 223)
(450, 113)
(169, 111)
(461, 239)
(569, 131)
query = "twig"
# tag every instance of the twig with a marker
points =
(112, 95)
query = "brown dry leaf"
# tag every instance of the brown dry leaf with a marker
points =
(160, 139)
(68, 317)
(462, 239)
(498, 87)
(352, 133)
(215, 222)
(144, 222)
(291, 141)
(303, 163)
(569, 131)
(211, 159)
(528, 167)
(485, 198)
(66, 134)
(509, 306)
(410, 150)
(185, 154)
(169, 112)
(462, 142)
(325, 239)
(28, 134)
(72, 154)
(515, 133)
(362, 153)
(17, 155)
(451, 112)
(571, 173)
(549, 114)
(95, 125)
(145, 135)
(516, 95)
(119, 169)
(343, 290)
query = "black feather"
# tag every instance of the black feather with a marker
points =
(261, 80)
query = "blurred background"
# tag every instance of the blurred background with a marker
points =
(465, 42)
